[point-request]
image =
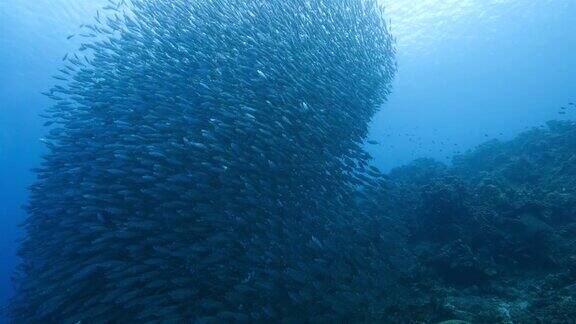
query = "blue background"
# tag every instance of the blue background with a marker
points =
(469, 71)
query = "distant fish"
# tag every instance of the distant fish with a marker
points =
(372, 142)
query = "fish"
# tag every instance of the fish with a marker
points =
(203, 143)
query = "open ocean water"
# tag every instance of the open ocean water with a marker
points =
(327, 161)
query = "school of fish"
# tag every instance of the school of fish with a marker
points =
(205, 164)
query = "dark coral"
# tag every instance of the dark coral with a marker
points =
(491, 238)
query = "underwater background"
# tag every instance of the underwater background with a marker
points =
(469, 72)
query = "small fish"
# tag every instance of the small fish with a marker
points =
(196, 145)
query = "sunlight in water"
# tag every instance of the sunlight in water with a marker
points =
(420, 25)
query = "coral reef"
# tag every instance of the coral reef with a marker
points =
(490, 238)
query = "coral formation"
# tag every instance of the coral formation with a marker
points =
(491, 238)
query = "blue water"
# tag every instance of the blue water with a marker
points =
(468, 71)
(32, 43)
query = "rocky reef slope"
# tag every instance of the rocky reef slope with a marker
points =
(489, 239)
